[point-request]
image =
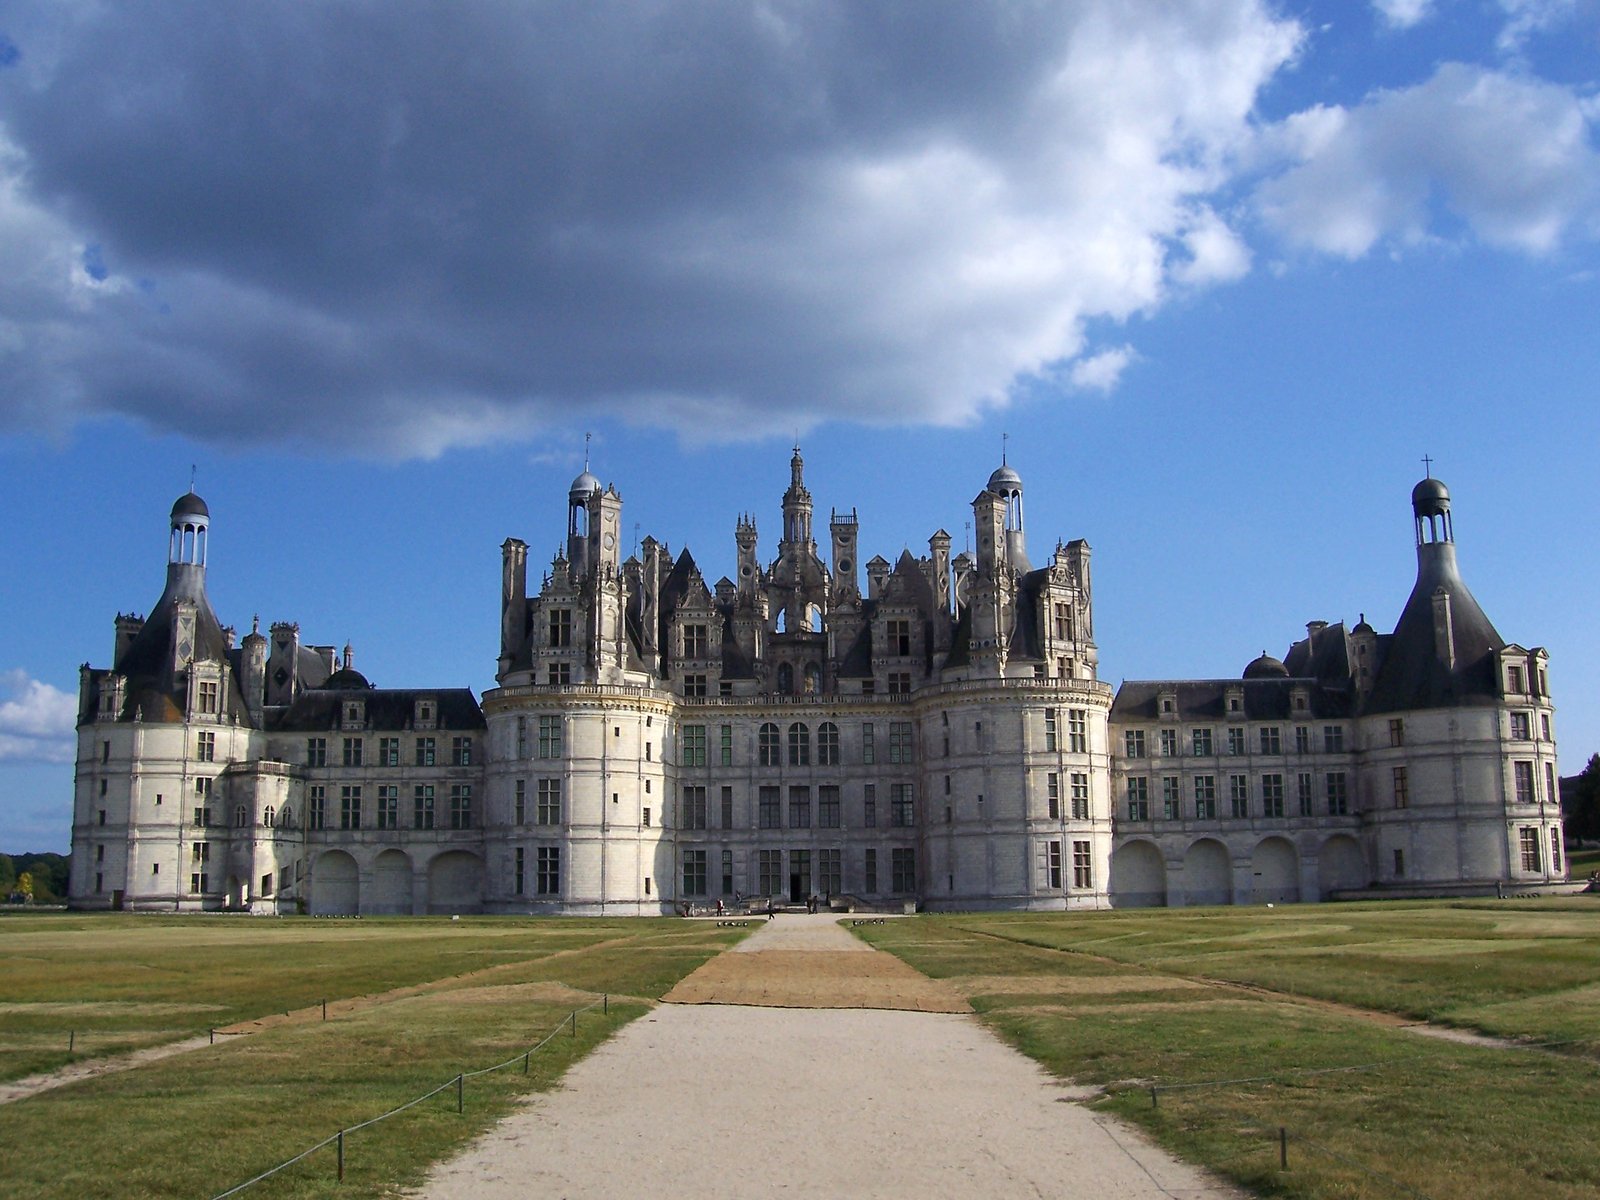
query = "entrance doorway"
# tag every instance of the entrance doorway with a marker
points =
(799, 876)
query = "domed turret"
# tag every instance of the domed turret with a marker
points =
(191, 520)
(584, 486)
(1266, 667)
(1005, 482)
(189, 505)
(1430, 498)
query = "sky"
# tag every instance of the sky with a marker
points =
(1213, 276)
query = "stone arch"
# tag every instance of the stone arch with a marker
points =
(1275, 872)
(1138, 876)
(1207, 873)
(335, 885)
(1340, 864)
(391, 884)
(455, 883)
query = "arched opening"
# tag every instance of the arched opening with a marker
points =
(813, 679)
(335, 885)
(391, 884)
(1340, 864)
(1275, 872)
(1138, 876)
(455, 883)
(1207, 874)
(785, 679)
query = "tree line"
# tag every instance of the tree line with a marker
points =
(46, 878)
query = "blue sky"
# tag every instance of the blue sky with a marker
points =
(1223, 271)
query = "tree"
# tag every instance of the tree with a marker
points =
(1582, 807)
(25, 886)
(8, 876)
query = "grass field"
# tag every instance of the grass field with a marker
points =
(1307, 1004)
(411, 1004)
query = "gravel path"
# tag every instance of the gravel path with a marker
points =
(719, 1098)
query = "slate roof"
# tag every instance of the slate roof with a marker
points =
(1207, 700)
(387, 708)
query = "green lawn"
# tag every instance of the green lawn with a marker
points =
(473, 993)
(1127, 1000)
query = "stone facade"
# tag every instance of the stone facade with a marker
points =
(940, 737)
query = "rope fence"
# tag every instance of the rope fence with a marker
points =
(457, 1082)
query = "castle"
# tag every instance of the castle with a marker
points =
(940, 738)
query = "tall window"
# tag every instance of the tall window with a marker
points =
(1133, 743)
(1333, 738)
(767, 745)
(1063, 622)
(899, 741)
(1402, 788)
(208, 697)
(1205, 797)
(206, 747)
(547, 806)
(349, 807)
(426, 752)
(1171, 805)
(903, 870)
(1078, 730)
(869, 872)
(1303, 787)
(799, 807)
(1521, 727)
(799, 745)
(460, 806)
(899, 683)
(828, 744)
(726, 756)
(461, 752)
(1052, 788)
(1397, 731)
(1272, 795)
(1203, 745)
(1338, 794)
(727, 872)
(1169, 743)
(767, 808)
(388, 806)
(1049, 729)
(727, 809)
(1138, 799)
(560, 674)
(869, 806)
(1235, 740)
(694, 806)
(352, 752)
(695, 685)
(522, 737)
(547, 871)
(316, 808)
(693, 746)
(696, 641)
(1523, 772)
(422, 806)
(549, 737)
(560, 627)
(902, 805)
(1302, 739)
(389, 752)
(830, 876)
(316, 752)
(769, 874)
(899, 631)
(1271, 741)
(828, 807)
(1530, 847)
(1052, 868)
(1239, 796)
(1082, 866)
(869, 746)
(522, 871)
(694, 872)
(1080, 796)
(520, 814)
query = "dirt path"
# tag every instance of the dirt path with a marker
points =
(711, 1095)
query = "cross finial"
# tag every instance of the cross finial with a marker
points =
(191, 478)
(1004, 438)
(586, 438)
(1427, 466)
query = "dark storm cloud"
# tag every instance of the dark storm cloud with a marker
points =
(408, 226)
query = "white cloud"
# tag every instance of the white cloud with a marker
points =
(1403, 14)
(1524, 18)
(37, 721)
(1509, 157)
(1100, 372)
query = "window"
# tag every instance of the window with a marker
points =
(767, 744)
(316, 752)
(522, 737)
(560, 674)
(727, 808)
(422, 806)
(1544, 726)
(903, 870)
(206, 747)
(560, 628)
(899, 683)
(1052, 787)
(1523, 774)
(1521, 727)
(869, 806)
(1078, 730)
(693, 746)
(1063, 622)
(1302, 739)
(388, 806)
(1303, 782)
(694, 872)
(1169, 743)
(1400, 864)
(352, 752)
(1235, 740)
(1205, 797)
(1272, 795)
(426, 752)
(316, 809)
(269, 816)
(1271, 742)
(1338, 794)
(869, 872)
(522, 872)
(727, 872)
(767, 808)
(1529, 837)
(520, 814)
(899, 637)
(1203, 747)
(726, 752)
(902, 805)
(644, 817)
(1239, 796)
(1052, 867)
(208, 697)
(1514, 679)
(1171, 805)
(241, 816)
(830, 877)
(1138, 799)
(769, 875)
(201, 852)
(547, 871)
(349, 807)
(828, 808)
(1402, 788)
(549, 737)
(694, 686)
(461, 752)
(1333, 739)
(547, 806)
(1555, 850)
(799, 807)
(899, 741)
(799, 745)
(696, 641)
(1080, 796)
(197, 882)
(1049, 729)
(460, 806)
(827, 744)
(869, 747)
(1082, 866)
(389, 751)
(1397, 731)
(694, 806)
(1550, 789)
(1133, 743)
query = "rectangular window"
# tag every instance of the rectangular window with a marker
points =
(1138, 799)
(1272, 795)
(206, 747)
(547, 871)
(828, 744)
(422, 806)
(799, 745)
(799, 807)
(198, 883)
(899, 683)
(460, 806)
(521, 805)
(1402, 788)
(1544, 726)
(1523, 773)
(1529, 837)
(1271, 741)
(869, 747)
(1171, 804)
(560, 628)
(902, 805)
(1555, 850)
(1133, 743)
(828, 807)
(1049, 729)
(1397, 731)
(769, 878)
(1052, 868)
(549, 737)
(1082, 866)
(316, 752)
(201, 852)
(1338, 794)
(1550, 789)
(1078, 730)
(1235, 740)
(727, 811)
(899, 741)
(1063, 623)
(767, 808)
(316, 808)
(869, 806)
(547, 804)
(903, 870)
(1303, 782)
(388, 806)
(1239, 796)
(694, 806)
(389, 752)
(1205, 797)
(869, 873)
(692, 746)
(522, 871)
(1203, 746)
(426, 752)
(694, 685)
(1080, 796)
(352, 752)
(461, 752)
(830, 876)
(697, 641)
(726, 756)
(899, 639)
(1169, 743)
(1514, 679)
(727, 872)
(1333, 739)
(694, 872)
(644, 817)
(522, 737)
(1521, 727)
(1302, 739)
(1399, 864)
(560, 674)
(1052, 787)
(349, 807)
(208, 697)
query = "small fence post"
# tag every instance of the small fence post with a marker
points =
(213, 1037)
(605, 1003)
(341, 1155)
(1283, 1147)
(1152, 1096)
(574, 1020)
(525, 1055)
(72, 1040)
(324, 1010)
(461, 1093)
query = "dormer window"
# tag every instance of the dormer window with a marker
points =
(352, 714)
(696, 641)
(560, 628)
(1514, 680)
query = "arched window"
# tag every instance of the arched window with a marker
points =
(286, 818)
(268, 816)
(241, 816)
(767, 745)
(799, 745)
(828, 744)
(785, 679)
(813, 679)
